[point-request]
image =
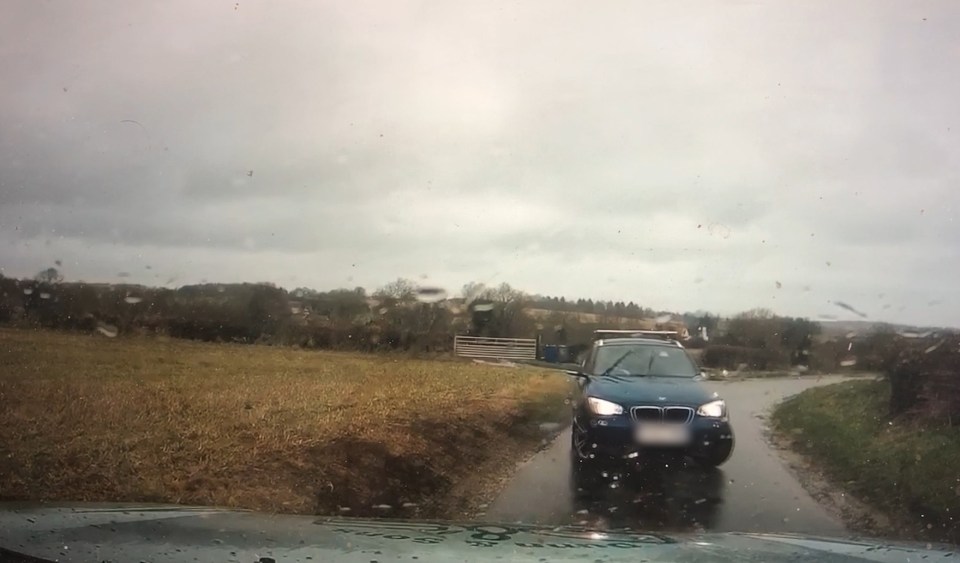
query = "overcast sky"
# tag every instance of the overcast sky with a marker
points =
(683, 155)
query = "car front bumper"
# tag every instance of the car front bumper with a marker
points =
(615, 437)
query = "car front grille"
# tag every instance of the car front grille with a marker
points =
(669, 415)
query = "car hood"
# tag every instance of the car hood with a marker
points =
(96, 532)
(649, 390)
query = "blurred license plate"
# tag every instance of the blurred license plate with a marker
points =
(663, 434)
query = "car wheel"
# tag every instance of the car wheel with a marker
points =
(718, 456)
(584, 466)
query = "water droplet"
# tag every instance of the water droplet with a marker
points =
(664, 318)
(132, 299)
(409, 505)
(483, 306)
(779, 285)
(107, 330)
(344, 509)
(719, 230)
(382, 506)
(430, 294)
(123, 274)
(383, 310)
(44, 295)
(28, 291)
(700, 501)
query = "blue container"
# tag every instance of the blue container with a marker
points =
(551, 353)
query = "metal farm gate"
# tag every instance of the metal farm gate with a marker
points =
(499, 348)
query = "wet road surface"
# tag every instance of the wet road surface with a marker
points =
(753, 491)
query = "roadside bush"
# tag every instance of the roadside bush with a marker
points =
(904, 468)
(826, 356)
(732, 357)
(925, 378)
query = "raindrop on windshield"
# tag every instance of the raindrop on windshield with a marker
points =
(719, 230)
(44, 295)
(107, 330)
(28, 291)
(430, 294)
(665, 318)
(132, 299)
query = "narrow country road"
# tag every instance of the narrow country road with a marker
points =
(753, 491)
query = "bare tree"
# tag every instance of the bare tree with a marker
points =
(472, 291)
(400, 289)
(50, 275)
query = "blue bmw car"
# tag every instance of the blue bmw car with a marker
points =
(642, 398)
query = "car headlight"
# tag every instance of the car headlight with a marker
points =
(713, 409)
(603, 408)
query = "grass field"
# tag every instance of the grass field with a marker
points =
(87, 418)
(907, 471)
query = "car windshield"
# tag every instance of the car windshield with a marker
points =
(672, 266)
(643, 360)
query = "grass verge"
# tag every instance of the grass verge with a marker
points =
(87, 418)
(906, 471)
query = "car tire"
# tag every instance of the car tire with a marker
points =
(718, 456)
(584, 471)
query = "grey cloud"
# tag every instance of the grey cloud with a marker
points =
(568, 149)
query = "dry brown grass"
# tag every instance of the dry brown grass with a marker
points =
(93, 419)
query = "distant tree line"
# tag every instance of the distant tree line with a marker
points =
(405, 315)
(606, 308)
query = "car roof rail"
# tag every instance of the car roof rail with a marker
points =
(610, 334)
